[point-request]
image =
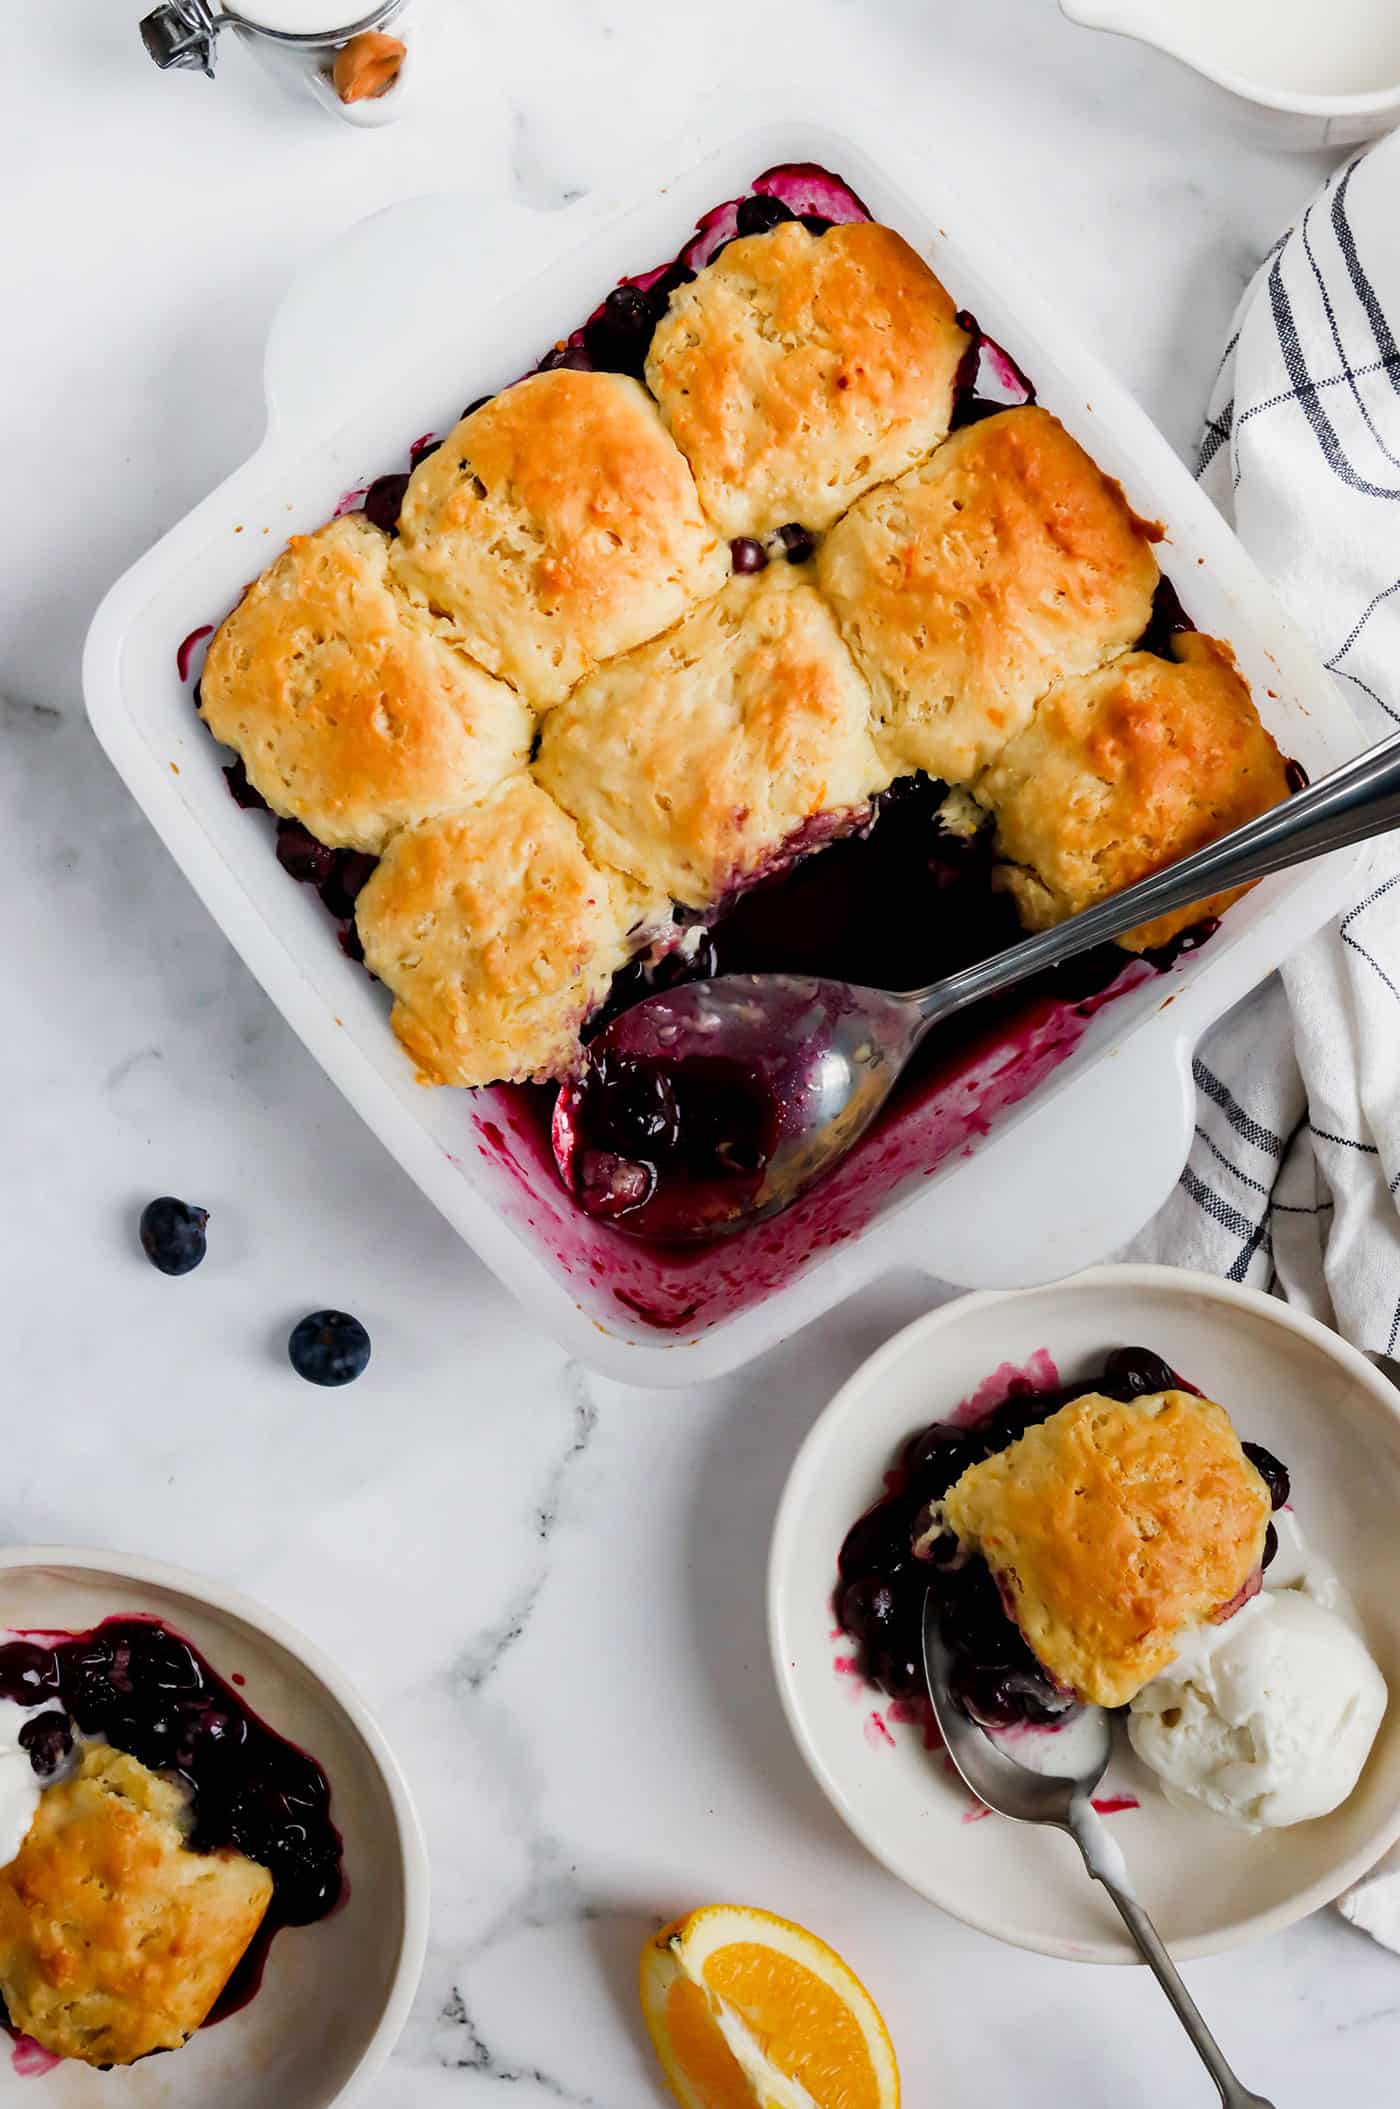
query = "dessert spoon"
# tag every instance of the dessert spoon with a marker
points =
(789, 1070)
(1065, 1801)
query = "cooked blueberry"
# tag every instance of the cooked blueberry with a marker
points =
(423, 450)
(633, 1106)
(745, 554)
(799, 543)
(944, 1464)
(617, 339)
(341, 886)
(384, 502)
(609, 1185)
(172, 1234)
(478, 402)
(308, 861)
(761, 215)
(880, 1541)
(30, 1673)
(814, 223)
(571, 355)
(1271, 1471)
(1136, 1373)
(998, 1695)
(241, 791)
(1270, 1546)
(329, 1347)
(48, 1738)
(868, 1608)
(900, 1671)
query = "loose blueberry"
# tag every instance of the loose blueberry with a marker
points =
(761, 215)
(384, 502)
(799, 543)
(172, 1234)
(746, 555)
(48, 1738)
(329, 1347)
(1273, 1474)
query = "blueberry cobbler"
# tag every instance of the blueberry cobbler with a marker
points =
(769, 623)
(157, 1834)
(1112, 1543)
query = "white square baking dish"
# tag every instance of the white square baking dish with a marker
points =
(472, 294)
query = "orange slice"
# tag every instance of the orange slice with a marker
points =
(748, 2011)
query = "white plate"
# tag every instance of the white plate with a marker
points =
(1287, 1383)
(335, 1995)
(465, 299)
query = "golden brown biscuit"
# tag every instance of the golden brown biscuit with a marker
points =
(557, 526)
(351, 710)
(798, 370)
(1111, 1529)
(970, 586)
(497, 935)
(691, 762)
(115, 1940)
(1123, 771)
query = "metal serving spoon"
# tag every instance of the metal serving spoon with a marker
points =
(808, 1063)
(1065, 1801)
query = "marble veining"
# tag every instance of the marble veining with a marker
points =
(550, 1586)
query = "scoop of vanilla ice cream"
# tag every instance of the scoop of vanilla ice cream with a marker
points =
(1266, 1719)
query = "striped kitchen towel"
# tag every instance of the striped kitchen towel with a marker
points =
(1293, 1182)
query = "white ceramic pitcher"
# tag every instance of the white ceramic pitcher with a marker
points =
(1297, 73)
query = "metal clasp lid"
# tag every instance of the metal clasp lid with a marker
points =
(183, 33)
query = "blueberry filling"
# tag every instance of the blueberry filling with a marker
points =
(880, 1595)
(145, 1690)
(828, 915)
(747, 555)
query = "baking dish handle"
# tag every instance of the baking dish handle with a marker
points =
(1055, 1195)
(363, 308)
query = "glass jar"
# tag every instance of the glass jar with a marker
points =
(357, 69)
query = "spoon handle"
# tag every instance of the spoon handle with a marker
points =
(1150, 1946)
(1353, 803)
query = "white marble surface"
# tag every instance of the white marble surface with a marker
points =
(550, 1586)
